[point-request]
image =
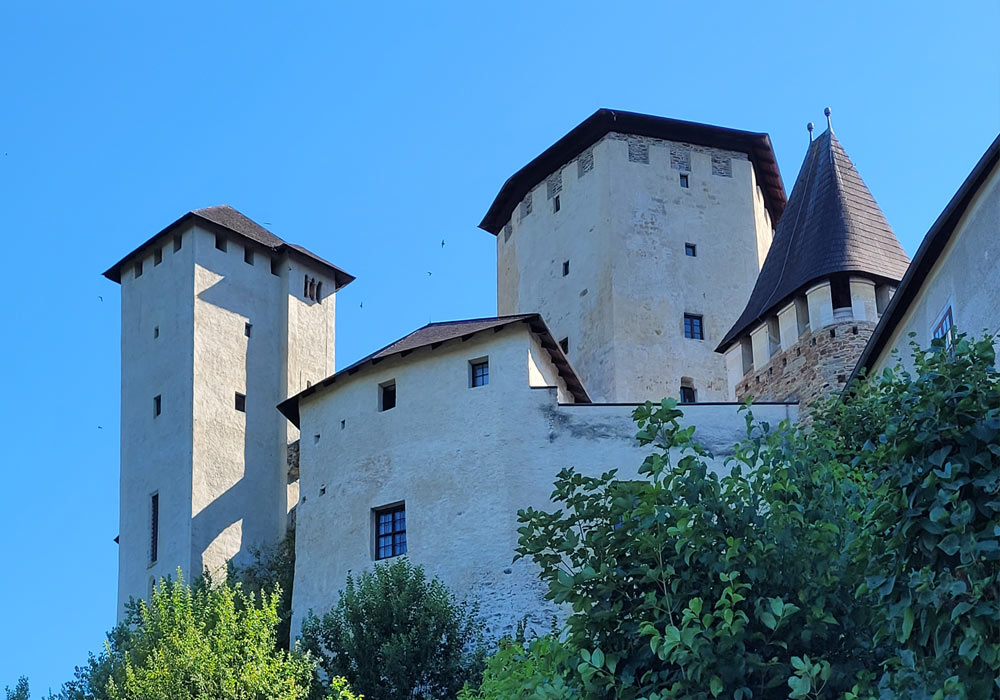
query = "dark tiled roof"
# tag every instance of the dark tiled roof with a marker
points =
(756, 145)
(934, 242)
(227, 219)
(831, 225)
(433, 335)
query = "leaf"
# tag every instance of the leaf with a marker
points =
(907, 624)
(949, 545)
(597, 658)
(768, 620)
(777, 606)
(715, 685)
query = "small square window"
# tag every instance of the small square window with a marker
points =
(690, 250)
(157, 256)
(156, 331)
(241, 402)
(693, 327)
(390, 531)
(479, 373)
(684, 180)
(247, 328)
(178, 240)
(555, 203)
(564, 344)
(248, 255)
(157, 405)
(138, 269)
(220, 241)
(387, 395)
(275, 267)
(565, 268)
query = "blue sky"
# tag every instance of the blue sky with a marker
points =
(369, 133)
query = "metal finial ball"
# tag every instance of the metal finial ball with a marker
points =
(810, 126)
(827, 111)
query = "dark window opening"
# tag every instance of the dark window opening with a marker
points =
(305, 286)
(154, 530)
(564, 344)
(157, 405)
(693, 327)
(343, 424)
(690, 250)
(390, 531)
(565, 268)
(555, 203)
(387, 395)
(157, 256)
(247, 328)
(840, 291)
(241, 402)
(687, 394)
(220, 241)
(319, 292)
(138, 269)
(480, 373)
(177, 242)
(248, 255)
(684, 180)
(156, 331)
(275, 269)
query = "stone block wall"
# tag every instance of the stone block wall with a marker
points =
(814, 368)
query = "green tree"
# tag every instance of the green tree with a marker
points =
(20, 691)
(855, 558)
(396, 635)
(270, 566)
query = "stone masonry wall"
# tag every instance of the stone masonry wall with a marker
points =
(815, 367)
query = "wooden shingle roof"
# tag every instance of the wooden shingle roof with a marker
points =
(831, 225)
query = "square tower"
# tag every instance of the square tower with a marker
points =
(221, 320)
(639, 239)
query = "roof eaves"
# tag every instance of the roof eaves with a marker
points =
(937, 237)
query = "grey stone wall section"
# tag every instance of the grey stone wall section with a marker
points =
(638, 151)
(585, 163)
(526, 205)
(680, 158)
(553, 185)
(722, 165)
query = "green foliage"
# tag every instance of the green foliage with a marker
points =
(20, 691)
(196, 642)
(270, 566)
(395, 635)
(520, 669)
(855, 559)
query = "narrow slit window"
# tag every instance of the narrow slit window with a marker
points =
(275, 267)
(157, 405)
(248, 255)
(691, 250)
(247, 329)
(684, 180)
(241, 402)
(138, 269)
(565, 268)
(220, 241)
(387, 395)
(178, 241)
(157, 256)
(156, 332)
(154, 529)
(555, 204)
(693, 327)
(479, 373)
(305, 286)
(390, 531)
(319, 292)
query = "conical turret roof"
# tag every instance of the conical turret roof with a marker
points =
(830, 225)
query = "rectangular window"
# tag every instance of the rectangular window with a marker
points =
(565, 268)
(684, 180)
(248, 255)
(687, 394)
(178, 240)
(693, 327)
(390, 531)
(690, 250)
(555, 204)
(479, 373)
(156, 332)
(154, 530)
(241, 402)
(275, 267)
(157, 405)
(138, 269)
(247, 328)
(220, 241)
(157, 256)
(943, 328)
(387, 395)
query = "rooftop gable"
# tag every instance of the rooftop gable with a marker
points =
(225, 219)
(756, 145)
(433, 335)
(831, 225)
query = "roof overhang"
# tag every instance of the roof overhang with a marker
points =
(757, 146)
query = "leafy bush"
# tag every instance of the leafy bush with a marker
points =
(396, 635)
(855, 558)
(519, 669)
(270, 566)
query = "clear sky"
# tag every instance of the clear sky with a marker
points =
(368, 133)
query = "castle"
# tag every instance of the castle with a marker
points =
(638, 257)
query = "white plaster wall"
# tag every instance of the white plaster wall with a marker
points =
(463, 461)
(623, 227)
(820, 300)
(965, 277)
(788, 327)
(761, 351)
(863, 306)
(156, 452)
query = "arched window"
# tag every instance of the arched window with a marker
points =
(312, 289)
(305, 285)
